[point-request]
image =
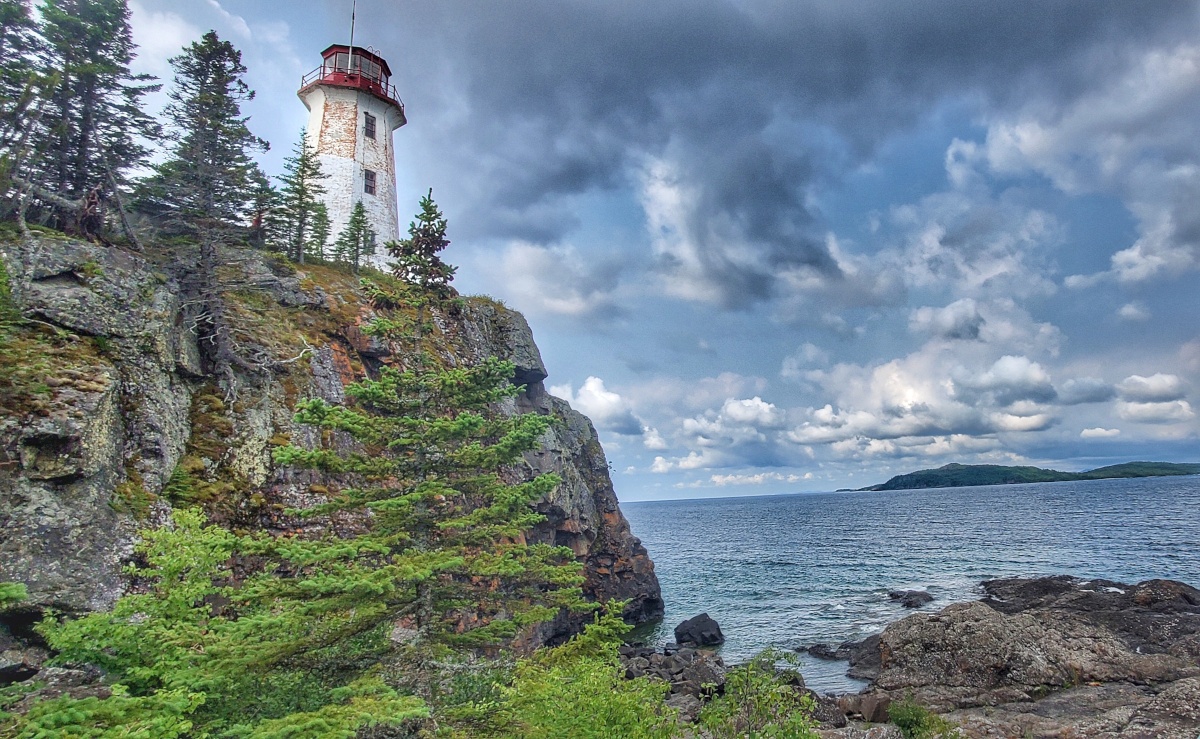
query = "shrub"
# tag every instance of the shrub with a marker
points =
(760, 703)
(918, 722)
(578, 691)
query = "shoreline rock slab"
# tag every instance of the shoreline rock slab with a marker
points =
(1050, 656)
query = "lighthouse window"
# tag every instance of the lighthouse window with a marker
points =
(369, 125)
(369, 181)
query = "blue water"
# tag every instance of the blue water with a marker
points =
(793, 570)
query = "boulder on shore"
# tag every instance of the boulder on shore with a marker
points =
(911, 598)
(700, 631)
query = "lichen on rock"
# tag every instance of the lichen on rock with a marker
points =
(143, 416)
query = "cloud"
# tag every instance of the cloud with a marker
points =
(752, 412)
(652, 439)
(1174, 411)
(1085, 390)
(757, 478)
(723, 238)
(236, 22)
(731, 118)
(974, 244)
(557, 281)
(1011, 379)
(1099, 433)
(1158, 388)
(693, 461)
(680, 397)
(608, 410)
(1123, 136)
(1135, 311)
(159, 36)
(1189, 353)
(959, 320)
(807, 355)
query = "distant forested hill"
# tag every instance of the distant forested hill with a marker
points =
(961, 475)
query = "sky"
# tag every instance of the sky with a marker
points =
(776, 246)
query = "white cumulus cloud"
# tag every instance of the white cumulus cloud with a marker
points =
(608, 410)
(1156, 388)
(1174, 411)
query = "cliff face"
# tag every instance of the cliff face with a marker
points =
(126, 422)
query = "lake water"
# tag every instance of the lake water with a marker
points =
(793, 570)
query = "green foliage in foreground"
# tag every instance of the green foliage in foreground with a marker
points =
(918, 722)
(578, 691)
(180, 667)
(760, 703)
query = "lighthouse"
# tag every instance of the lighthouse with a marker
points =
(352, 111)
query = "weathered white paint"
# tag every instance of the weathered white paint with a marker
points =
(336, 131)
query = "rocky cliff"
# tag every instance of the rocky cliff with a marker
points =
(118, 419)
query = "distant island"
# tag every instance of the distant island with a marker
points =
(963, 475)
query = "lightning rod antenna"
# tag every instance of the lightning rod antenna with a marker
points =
(350, 56)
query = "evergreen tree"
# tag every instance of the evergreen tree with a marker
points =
(445, 556)
(92, 126)
(209, 182)
(416, 259)
(356, 241)
(19, 91)
(207, 188)
(300, 198)
(318, 237)
(181, 667)
(266, 221)
(19, 45)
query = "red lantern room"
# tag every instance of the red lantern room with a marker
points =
(357, 69)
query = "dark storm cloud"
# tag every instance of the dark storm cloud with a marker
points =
(752, 103)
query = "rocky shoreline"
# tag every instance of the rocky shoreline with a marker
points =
(1049, 657)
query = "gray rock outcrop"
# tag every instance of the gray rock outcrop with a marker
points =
(1054, 656)
(130, 417)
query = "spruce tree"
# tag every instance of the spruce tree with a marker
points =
(300, 194)
(92, 126)
(444, 559)
(356, 241)
(318, 237)
(19, 45)
(19, 93)
(266, 221)
(208, 183)
(415, 259)
(207, 189)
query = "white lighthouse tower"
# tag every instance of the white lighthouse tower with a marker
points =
(352, 111)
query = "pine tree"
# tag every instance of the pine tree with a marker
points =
(207, 188)
(19, 92)
(416, 259)
(92, 125)
(266, 221)
(209, 182)
(19, 45)
(318, 238)
(300, 198)
(445, 556)
(356, 241)
(181, 666)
